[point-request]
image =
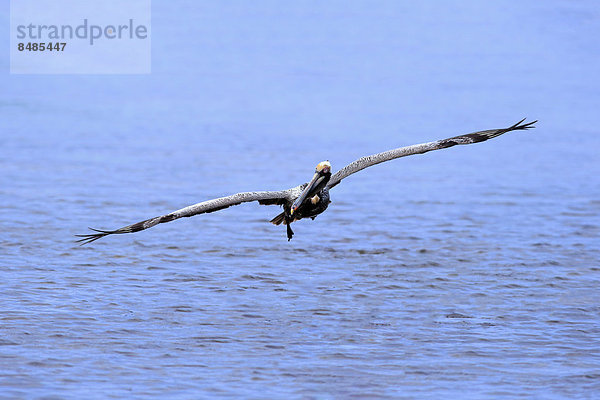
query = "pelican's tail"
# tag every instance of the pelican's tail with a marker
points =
(278, 220)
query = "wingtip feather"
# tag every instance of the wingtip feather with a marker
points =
(91, 237)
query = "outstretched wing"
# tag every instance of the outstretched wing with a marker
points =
(469, 138)
(277, 197)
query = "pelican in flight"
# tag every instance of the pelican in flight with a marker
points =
(309, 199)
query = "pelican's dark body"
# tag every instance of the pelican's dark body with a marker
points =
(308, 209)
(312, 202)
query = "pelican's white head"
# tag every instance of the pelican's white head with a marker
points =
(323, 167)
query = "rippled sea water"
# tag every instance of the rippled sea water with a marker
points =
(472, 272)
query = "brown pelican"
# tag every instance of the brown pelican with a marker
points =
(309, 199)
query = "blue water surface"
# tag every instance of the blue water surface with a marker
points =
(471, 272)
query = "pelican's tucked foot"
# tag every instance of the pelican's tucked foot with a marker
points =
(290, 232)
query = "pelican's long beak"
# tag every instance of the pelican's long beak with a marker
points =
(315, 181)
